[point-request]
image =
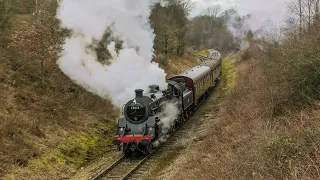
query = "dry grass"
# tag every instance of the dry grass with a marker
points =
(36, 118)
(247, 140)
(48, 124)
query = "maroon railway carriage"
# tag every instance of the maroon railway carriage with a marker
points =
(197, 79)
(201, 79)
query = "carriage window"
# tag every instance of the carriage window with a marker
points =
(175, 92)
(169, 91)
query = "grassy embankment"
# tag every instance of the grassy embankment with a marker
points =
(49, 126)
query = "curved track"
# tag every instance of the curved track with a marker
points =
(122, 168)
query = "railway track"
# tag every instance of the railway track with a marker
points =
(121, 169)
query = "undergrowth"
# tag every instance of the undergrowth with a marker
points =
(297, 67)
(229, 75)
(68, 156)
(49, 126)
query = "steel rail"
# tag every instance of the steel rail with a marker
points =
(105, 171)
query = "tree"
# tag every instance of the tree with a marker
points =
(317, 12)
(250, 36)
(170, 24)
(303, 13)
(212, 11)
(210, 31)
(38, 40)
(7, 11)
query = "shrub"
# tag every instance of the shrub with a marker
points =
(293, 70)
(294, 156)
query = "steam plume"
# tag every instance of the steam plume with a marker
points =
(131, 67)
(171, 112)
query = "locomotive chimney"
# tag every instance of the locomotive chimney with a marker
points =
(139, 93)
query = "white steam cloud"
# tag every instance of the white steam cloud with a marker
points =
(171, 113)
(131, 67)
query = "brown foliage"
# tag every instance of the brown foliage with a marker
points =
(293, 68)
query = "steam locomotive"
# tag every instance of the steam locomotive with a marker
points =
(142, 122)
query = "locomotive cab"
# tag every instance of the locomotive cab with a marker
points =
(175, 89)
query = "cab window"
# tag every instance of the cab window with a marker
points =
(175, 92)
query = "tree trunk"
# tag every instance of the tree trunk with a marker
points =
(317, 13)
(36, 7)
(166, 50)
(42, 71)
(178, 50)
(182, 50)
(309, 14)
(300, 18)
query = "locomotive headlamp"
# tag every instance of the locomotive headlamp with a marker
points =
(150, 128)
(121, 129)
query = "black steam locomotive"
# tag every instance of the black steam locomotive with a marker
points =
(141, 124)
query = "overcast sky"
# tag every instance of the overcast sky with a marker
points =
(273, 10)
